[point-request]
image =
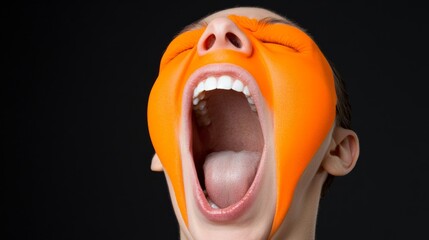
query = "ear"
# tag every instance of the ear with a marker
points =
(156, 165)
(343, 152)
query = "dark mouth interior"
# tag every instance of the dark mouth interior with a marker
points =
(234, 128)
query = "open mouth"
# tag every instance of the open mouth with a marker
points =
(226, 139)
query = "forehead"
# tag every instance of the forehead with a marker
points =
(250, 12)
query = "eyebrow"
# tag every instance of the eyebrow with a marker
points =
(273, 20)
(193, 26)
(267, 20)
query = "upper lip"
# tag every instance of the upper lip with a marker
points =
(236, 210)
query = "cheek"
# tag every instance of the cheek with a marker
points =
(303, 100)
(164, 111)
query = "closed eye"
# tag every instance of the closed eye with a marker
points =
(182, 43)
(283, 33)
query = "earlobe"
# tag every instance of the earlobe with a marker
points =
(156, 165)
(343, 152)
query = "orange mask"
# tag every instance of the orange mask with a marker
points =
(294, 78)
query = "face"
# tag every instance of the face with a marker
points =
(240, 117)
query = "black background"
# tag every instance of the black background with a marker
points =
(76, 151)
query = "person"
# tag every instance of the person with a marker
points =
(250, 122)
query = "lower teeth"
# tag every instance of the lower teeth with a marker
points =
(212, 204)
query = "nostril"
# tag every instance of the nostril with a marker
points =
(222, 33)
(234, 40)
(209, 42)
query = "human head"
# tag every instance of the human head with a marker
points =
(276, 155)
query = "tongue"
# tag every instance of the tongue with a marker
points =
(228, 175)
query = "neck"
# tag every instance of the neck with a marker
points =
(300, 222)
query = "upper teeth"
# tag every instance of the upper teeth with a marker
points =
(223, 82)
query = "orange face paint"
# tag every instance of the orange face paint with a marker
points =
(294, 78)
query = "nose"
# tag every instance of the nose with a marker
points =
(222, 33)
